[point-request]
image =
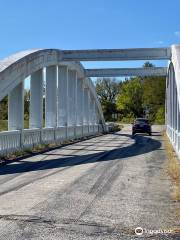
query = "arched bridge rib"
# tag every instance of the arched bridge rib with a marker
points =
(173, 99)
(72, 109)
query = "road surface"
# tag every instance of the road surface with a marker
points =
(101, 188)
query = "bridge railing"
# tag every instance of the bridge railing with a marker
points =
(173, 99)
(12, 141)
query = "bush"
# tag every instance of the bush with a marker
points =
(129, 118)
(160, 115)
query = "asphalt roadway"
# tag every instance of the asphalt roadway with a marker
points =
(101, 188)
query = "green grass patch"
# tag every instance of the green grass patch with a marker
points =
(4, 125)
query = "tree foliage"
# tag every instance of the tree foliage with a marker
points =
(4, 106)
(134, 97)
(130, 97)
(4, 109)
(154, 95)
(107, 90)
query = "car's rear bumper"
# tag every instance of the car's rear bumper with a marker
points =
(141, 130)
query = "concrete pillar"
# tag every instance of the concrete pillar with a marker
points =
(94, 112)
(86, 107)
(36, 100)
(62, 95)
(90, 110)
(51, 97)
(16, 108)
(80, 95)
(171, 103)
(97, 116)
(72, 97)
(172, 107)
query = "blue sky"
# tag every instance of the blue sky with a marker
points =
(88, 24)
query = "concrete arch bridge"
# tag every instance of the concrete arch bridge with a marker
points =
(72, 109)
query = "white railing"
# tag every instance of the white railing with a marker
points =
(48, 135)
(85, 130)
(79, 131)
(61, 134)
(91, 129)
(31, 137)
(12, 141)
(71, 132)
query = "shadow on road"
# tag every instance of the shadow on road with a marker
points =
(141, 145)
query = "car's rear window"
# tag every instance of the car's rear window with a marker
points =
(142, 121)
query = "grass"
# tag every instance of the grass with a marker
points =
(4, 125)
(173, 169)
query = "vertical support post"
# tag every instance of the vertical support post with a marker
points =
(173, 105)
(72, 85)
(86, 107)
(16, 108)
(96, 116)
(94, 112)
(171, 102)
(36, 100)
(80, 91)
(90, 109)
(62, 96)
(51, 97)
(90, 113)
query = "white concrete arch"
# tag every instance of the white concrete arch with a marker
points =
(20, 65)
(66, 115)
(173, 99)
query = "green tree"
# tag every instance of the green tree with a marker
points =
(160, 115)
(154, 95)
(142, 96)
(4, 109)
(26, 104)
(129, 100)
(148, 64)
(107, 90)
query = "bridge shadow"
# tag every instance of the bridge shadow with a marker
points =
(138, 145)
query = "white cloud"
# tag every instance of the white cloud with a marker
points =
(177, 33)
(159, 42)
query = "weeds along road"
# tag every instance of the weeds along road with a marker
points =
(101, 188)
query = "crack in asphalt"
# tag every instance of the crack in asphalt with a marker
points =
(86, 227)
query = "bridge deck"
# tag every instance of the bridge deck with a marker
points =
(101, 188)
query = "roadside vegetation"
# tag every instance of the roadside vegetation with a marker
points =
(4, 112)
(123, 101)
(173, 169)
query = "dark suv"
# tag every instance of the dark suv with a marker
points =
(141, 125)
